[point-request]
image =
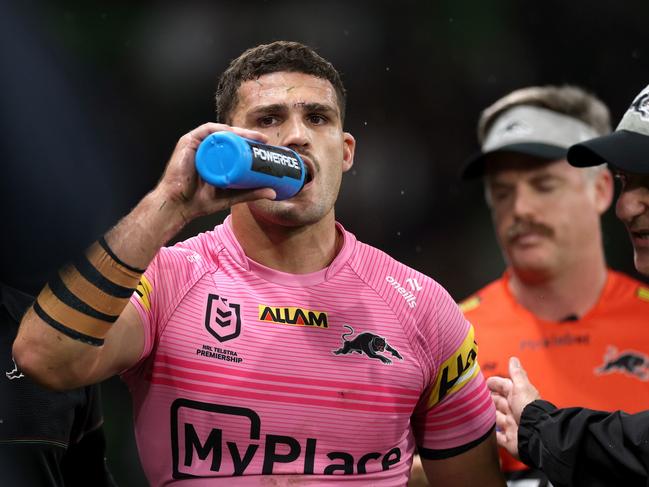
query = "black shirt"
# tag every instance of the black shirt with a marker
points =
(578, 447)
(47, 438)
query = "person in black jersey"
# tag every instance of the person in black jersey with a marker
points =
(46, 438)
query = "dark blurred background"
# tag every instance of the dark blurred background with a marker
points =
(94, 95)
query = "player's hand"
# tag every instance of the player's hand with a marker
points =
(182, 187)
(510, 397)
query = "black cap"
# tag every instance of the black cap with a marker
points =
(627, 148)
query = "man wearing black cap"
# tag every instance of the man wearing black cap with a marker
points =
(557, 306)
(577, 446)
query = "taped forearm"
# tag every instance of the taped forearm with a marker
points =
(85, 298)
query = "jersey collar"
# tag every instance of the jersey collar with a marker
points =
(284, 278)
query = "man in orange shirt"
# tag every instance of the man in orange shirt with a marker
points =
(579, 327)
(578, 446)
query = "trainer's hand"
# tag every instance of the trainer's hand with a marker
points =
(182, 187)
(510, 397)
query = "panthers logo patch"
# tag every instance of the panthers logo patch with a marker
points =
(629, 362)
(367, 343)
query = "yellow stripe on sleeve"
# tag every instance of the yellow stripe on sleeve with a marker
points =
(457, 370)
(143, 292)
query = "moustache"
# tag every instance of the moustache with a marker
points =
(522, 227)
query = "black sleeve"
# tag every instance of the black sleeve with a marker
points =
(581, 447)
(85, 460)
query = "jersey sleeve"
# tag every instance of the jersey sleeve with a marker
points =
(456, 412)
(146, 302)
(173, 271)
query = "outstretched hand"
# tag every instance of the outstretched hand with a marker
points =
(510, 397)
(182, 187)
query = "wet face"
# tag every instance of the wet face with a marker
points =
(299, 111)
(546, 214)
(632, 208)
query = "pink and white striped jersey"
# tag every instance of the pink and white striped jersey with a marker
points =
(329, 378)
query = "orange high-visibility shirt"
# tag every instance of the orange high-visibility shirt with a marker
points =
(598, 361)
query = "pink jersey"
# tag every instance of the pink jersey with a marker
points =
(247, 371)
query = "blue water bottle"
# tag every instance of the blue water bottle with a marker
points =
(227, 160)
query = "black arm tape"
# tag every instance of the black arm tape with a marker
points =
(69, 332)
(109, 251)
(61, 291)
(87, 270)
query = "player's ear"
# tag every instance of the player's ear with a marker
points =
(349, 147)
(603, 189)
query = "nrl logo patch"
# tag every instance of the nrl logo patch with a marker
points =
(222, 318)
(367, 343)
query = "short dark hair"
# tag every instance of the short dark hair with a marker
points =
(271, 58)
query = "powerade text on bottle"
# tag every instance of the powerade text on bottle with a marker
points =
(227, 160)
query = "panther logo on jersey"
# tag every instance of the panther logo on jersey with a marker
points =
(629, 362)
(367, 343)
(222, 318)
